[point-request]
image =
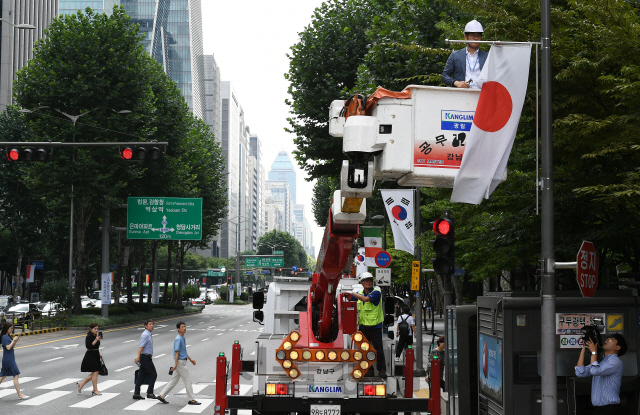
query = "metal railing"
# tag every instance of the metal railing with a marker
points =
(27, 321)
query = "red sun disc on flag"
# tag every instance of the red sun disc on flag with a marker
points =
(494, 107)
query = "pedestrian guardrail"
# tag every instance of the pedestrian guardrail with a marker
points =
(27, 321)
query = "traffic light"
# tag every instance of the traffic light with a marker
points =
(27, 154)
(153, 153)
(444, 244)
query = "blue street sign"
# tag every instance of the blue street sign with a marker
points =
(38, 264)
(294, 269)
(308, 272)
(265, 271)
(249, 272)
(383, 259)
(113, 266)
(459, 272)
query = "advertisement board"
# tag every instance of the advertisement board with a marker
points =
(571, 323)
(490, 366)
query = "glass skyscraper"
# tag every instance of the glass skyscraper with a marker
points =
(173, 30)
(99, 6)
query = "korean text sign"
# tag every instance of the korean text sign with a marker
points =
(164, 218)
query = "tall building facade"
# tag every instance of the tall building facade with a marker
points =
(98, 6)
(212, 97)
(16, 46)
(230, 123)
(282, 170)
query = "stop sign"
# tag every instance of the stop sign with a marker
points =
(587, 269)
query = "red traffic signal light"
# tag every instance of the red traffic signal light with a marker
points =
(442, 227)
(28, 154)
(152, 153)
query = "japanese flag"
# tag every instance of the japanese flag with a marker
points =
(495, 123)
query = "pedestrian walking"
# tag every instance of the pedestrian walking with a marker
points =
(179, 369)
(405, 331)
(9, 366)
(91, 361)
(144, 359)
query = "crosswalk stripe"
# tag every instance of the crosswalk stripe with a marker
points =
(108, 384)
(122, 368)
(142, 405)
(22, 381)
(95, 400)
(143, 387)
(60, 383)
(196, 389)
(197, 409)
(8, 392)
(47, 397)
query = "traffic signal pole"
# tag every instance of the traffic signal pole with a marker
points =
(419, 371)
(548, 307)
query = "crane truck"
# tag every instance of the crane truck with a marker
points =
(311, 358)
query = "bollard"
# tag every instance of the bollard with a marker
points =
(221, 385)
(236, 367)
(408, 373)
(434, 390)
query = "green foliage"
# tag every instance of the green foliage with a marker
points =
(113, 311)
(244, 296)
(138, 317)
(294, 253)
(57, 291)
(322, 197)
(188, 292)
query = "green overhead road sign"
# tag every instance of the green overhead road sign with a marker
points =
(278, 252)
(263, 262)
(164, 218)
(212, 274)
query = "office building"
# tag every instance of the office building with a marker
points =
(282, 170)
(16, 47)
(98, 6)
(212, 97)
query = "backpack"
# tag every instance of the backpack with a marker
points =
(403, 327)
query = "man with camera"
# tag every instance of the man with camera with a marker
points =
(607, 374)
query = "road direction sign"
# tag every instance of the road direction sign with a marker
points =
(265, 271)
(383, 259)
(264, 262)
(587, 269)
(38, 264)
(278, 252)
(164, 218)
(294, 268)
(415, 276)
(211, 273)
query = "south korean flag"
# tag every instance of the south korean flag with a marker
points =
(400, 210)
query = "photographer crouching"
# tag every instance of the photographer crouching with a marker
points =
(607, 374)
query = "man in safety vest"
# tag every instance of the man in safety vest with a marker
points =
(371, 317)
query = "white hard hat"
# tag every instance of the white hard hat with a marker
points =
(364, 276)
(473, 26)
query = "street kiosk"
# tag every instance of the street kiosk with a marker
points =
(495, 358)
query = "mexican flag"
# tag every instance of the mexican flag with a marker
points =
(372, 244)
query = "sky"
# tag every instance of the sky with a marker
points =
(250, 40)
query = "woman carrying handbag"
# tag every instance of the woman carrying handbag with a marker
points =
(92, 361)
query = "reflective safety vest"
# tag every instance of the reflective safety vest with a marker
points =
(369, 314)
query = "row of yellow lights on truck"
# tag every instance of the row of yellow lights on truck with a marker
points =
(364, 356)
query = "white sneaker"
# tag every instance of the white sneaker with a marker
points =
(397, 359)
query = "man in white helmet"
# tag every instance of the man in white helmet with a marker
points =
(464, 65)
(371, 317)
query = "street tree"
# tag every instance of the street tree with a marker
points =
(294, 253)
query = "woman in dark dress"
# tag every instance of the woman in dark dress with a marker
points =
(9, 367)
(91, 361)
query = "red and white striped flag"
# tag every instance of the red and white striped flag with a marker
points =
(372, 244)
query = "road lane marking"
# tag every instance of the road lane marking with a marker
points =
(95, 400)
(154, 335)
(108, 384)
(123, 368)
(144, 386)
(197, 409)
(160, 355)
(47, 397)
(51, 360)
(204, 340)
(59, 384)
(142, 405)
(22, 381)
(196, 389)
(129, 341)
(252, 353)
(220, 334)
(188, 345)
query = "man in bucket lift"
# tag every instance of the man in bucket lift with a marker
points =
(464, 65)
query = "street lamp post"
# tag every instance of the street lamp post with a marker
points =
(6, 59)
(237, 243)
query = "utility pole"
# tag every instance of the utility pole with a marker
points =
(419, 367)
(548, 308)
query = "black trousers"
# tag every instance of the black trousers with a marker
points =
(375, 337)
(403, 342)
(148, 371)
(606, 410)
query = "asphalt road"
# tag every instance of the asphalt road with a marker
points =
(50, 365)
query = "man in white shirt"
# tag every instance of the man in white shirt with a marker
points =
(406, 335)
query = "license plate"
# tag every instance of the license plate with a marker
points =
(325, 410)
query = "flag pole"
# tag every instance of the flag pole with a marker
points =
(417, 219)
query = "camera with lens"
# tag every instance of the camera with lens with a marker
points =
(593, 333)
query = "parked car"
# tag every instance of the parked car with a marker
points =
(50, 308)
(87, 303)
(22, 311)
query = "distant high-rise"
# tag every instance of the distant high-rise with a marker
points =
(212, 97)
(282, 170)
(98, 6)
